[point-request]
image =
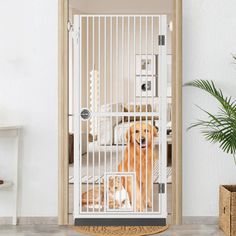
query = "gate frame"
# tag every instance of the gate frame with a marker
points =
(63, 163)
(156, 218)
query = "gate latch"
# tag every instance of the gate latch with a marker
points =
(85, 114)
(161, 188)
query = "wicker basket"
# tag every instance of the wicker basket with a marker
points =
(228, 209)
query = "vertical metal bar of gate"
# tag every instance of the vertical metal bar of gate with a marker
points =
(76, 117)
(106, 108)
(152, 54)
(122, 82)
(111, 102)
(163, 85)
(93, 71)
(146, 41)
(128, 104)
(135, 118)
(87, 75)
(80, 101)
(99, 128)
(117, 82)
(140, 122)
(111, 89)
(109, 113)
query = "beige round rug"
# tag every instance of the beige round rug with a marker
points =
(120, 230)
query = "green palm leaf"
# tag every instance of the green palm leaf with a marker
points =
(221, 127)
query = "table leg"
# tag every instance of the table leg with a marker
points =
(15, 180)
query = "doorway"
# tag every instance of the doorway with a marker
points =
(93, 135)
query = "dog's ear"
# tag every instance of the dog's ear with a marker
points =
(155, 132)
(128, 134)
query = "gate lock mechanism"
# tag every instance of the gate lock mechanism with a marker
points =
(85, 114)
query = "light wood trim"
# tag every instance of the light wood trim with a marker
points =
(63, 166)
(177, 113)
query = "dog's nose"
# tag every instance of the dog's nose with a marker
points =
(143, 140)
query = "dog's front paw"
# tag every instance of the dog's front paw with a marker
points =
(149, 204)
(139, 209)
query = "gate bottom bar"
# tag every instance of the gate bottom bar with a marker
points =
(120, 222)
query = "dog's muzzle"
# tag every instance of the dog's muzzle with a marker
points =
(142, 144)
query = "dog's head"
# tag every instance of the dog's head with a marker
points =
(141, 133)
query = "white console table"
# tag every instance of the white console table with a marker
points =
(12, 131)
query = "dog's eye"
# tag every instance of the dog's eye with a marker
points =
(146, 130)
(116, 188)
(137, 131)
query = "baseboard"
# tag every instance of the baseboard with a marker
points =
(30, 220)
(200, 220)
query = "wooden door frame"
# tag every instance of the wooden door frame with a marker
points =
(63, 165)
(177, 113)
(63, 105)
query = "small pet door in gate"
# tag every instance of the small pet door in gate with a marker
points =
(117, 196)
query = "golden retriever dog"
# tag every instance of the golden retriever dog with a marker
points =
(138, 157)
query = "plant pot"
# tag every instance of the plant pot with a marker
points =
(227, 211)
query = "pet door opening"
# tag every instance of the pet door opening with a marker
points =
(117, 196)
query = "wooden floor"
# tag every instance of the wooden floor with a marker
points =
(53, 230)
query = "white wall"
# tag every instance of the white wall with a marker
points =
(28, 96)
(208, 40)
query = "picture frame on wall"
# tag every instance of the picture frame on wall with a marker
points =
(146, 87)
(146, 64)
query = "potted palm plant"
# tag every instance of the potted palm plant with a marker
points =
(221, 128)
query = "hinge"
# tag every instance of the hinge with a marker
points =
(170, 26)
(161, 40)
(161, 188)
(69, 26)
(76, 34)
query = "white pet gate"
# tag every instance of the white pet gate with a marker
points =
(120, 101)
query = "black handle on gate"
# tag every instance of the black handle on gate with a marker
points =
(85, 114)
